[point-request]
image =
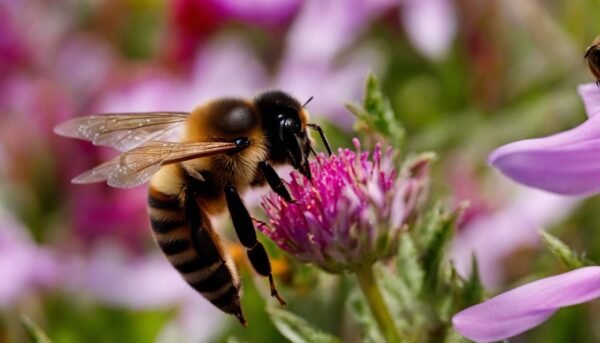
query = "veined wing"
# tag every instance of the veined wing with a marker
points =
(125, 131)
(136, 166)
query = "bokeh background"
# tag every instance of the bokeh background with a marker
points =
(464, 76)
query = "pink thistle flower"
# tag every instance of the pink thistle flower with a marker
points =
(352, 213)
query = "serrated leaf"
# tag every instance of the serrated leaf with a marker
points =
(298, 330)
(35, 334)
(567, 256)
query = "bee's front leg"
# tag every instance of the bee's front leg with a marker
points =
(244, 228)
(274, 181)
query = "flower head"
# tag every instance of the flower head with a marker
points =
(351, 214)
(525, 307)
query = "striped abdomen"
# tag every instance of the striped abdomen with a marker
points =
(184, 233)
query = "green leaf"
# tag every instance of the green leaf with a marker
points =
(35, 334)
(440, 230)
(473, 291)
(376, 114)
(358, 308)
(567, 256)
(407, 265)
(298, 330)
(454, 337)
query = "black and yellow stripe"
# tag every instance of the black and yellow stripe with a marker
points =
(184, 234)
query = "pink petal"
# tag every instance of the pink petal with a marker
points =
(564, 163)
(525, 307)
(590, 93)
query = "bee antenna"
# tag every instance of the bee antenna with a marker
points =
(322, 134)
(307, 101)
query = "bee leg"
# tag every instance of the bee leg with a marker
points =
(260, 222)
(244, 228)
(274, 181)
(323, 137)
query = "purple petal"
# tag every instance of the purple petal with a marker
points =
(525, 307)
(565, 163)
(590, 93)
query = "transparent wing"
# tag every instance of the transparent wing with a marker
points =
(125, 131)
(136, 166)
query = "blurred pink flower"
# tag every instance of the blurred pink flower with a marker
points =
(193, 21)
(493, 237)
(111, 275)
(310, 63)
(431, 26)
(102, 212)
(527, 306)
(215, 73)
(24, 266)
(265, 12)
(465, 186)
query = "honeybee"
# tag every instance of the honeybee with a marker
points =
(592, 55)
(198, 163)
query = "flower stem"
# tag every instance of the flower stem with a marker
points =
(375, 300)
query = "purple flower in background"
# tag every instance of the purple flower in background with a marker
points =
(565, 163)
(112, 275)
(310, 64)
(430, 25)
(193, 21)
(351, 214)
(493, 237)
(527, 306)
(24, 267)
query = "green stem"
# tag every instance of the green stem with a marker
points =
(377, 305)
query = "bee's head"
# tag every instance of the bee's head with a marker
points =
(285, 123)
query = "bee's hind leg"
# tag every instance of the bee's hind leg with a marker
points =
(244, 228)
(274, 181)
